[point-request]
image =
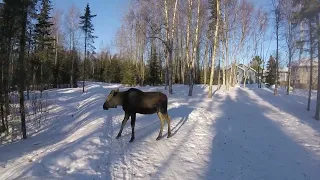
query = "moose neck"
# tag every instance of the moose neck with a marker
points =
(119, 98)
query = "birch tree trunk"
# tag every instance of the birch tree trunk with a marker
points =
(169, 44)
(318, 91)
(219, 73)
(188, 35)
(290, 58)
(311, 64)
(277, 51)
(191, 74)
(226, 82)
(223, 65)
(214, 49)
(245, 78)
(205, 64)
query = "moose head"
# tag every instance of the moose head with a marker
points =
(112, 100)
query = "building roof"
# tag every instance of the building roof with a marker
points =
(247, 67)
(239, 66)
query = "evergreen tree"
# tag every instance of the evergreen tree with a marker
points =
(128, 73)
(7, 31)
(154, 69)
(43, 39)
(23, 11)
(271, 68)
(88, 29)
(256, 65)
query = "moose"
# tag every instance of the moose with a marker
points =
(135, 101)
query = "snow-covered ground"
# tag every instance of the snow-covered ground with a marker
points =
(240, 134)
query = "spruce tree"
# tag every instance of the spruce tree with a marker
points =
(271, 68)
(24, 6)
(154, 69)
(8, 30)
(87, 27)
(43, 38)
(128, 73)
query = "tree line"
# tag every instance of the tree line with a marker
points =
(40, 49)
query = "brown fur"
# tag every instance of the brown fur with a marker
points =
(136, 101)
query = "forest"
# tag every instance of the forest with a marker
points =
(159, 43)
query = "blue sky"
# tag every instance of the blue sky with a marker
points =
(107, 21)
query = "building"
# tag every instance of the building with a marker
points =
(283, 76)
(300, 71)
(245, 70)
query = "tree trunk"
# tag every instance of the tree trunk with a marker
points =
(170, 68)
(27, 64)
(317, 115)
(41, 74)
(1, 96)
(188, 38)
(4, 125)
(277, 51)
(6, 85)
(290, 59)
(84, 61)
(258, 74)
(226, 64)
(56, 60)
(205, 64)
(214, 49)
(169, 45)
(72, 62)
(219, 73)
(195, 47)
(224, 72)
(245, 78)
(22, 72)
(311, 64)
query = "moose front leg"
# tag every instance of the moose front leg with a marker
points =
(125, 119)
(133, 122)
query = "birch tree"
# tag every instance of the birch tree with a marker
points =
(56, 28)
(317, 114)
(192, 62)
(72, 29)
(215, 46)
(278, 17)
(169, 42)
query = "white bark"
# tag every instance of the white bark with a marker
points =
(214, 49)
(192, 63)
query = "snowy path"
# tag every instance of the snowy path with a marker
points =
(241, 134)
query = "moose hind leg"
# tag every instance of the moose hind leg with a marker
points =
(168, 121)
(124, 121)
(161, 125)
(133, 122)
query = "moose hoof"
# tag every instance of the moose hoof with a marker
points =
(169, 136)
(158, 138)
(131, 140)
(118, 136)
